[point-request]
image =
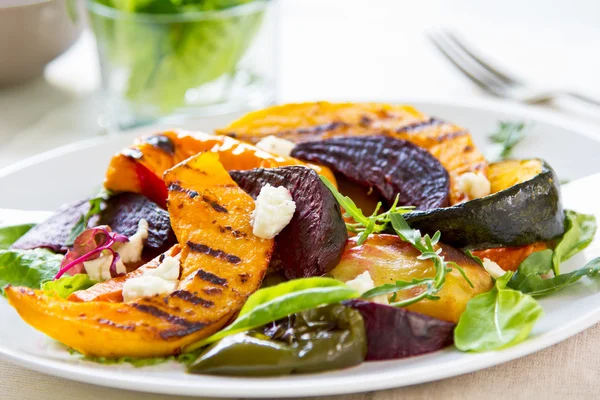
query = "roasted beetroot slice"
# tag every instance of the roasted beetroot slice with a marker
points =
(394, 333)
(313, 241)
(123, 213)
(54, 232)
(390, 166)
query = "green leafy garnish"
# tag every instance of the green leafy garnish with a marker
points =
(508, 135)
(96, 206)
(136, 362)
(364, 225)
(68, 284)
(528, 278)
(500, 318)
(275, 302)
(579, 232)
(28, 268)
(10, 234)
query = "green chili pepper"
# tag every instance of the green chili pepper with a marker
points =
(325, 338)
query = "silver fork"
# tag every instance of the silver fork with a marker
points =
(490, 79)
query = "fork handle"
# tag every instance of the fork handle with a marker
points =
(583, 98)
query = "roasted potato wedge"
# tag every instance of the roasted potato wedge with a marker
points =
(388, 258)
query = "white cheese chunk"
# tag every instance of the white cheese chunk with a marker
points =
(364, 282)
(274, 210)
(161, 280)
(493, 268)
(274, 145)
(131, 251)
(99, 269)
(145, 286)
(474, 185)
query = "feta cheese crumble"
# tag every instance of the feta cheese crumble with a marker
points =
(274, 210)
(493, 268)
(161, 280)
(474, 185)
(274, 145)
(129, 252)
(364, 282)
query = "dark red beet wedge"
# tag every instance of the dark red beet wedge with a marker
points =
(313, 241)
(394, 333)
(390, 166)
(121, 212)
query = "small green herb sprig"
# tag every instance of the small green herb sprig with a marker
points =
(365, 225)
(425, 244)
(508, 135)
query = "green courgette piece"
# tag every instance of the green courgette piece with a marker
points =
(526, 212)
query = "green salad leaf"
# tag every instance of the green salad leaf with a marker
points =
(579, 232)
(68, 284)
(500, 318)
(28, 268)
(136, 362)
(96, 206)
(528, 278)
(10, 234)
(276, 302)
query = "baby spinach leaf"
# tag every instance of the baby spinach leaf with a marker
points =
(528, 278)
(500, 318)
(68, 284)
(10, 234)
(579, 232)
(275, 302)
(28, 268)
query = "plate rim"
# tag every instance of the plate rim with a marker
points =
(264, 387)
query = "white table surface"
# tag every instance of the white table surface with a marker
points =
(356, 50)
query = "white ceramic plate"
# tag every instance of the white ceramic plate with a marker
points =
(45, 182)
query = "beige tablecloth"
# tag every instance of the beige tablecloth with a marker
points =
(569, 370)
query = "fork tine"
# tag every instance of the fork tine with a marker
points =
(459, 43)
(492, 85)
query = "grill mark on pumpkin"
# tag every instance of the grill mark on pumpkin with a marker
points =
(173, 319)
(212, 291)
(103, 321)
(418, 126)
(451, 135)
(178, 333)
(235, 233)
(210, 277)
(161, 142)
(191, 298)
(216, 253)
(175, 187)
(214, 204)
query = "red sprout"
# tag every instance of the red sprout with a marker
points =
(89, 245)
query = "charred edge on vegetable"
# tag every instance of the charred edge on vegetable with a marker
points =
(190, 298)
(417, 126)
(236, 234)
(158, 313)
(161, 142)
(214, 204)
(244, 277)
(110, 323)
(212, 291)
(365, 121)
(212, 278)
(174, 187)
(452, 135)
(321, 128)
(202, 248)
(134, 154)
(178, 333)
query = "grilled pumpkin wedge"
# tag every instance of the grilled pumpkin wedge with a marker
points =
(219, 270)
(526, 208)
(139, 168)
(302, 122)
